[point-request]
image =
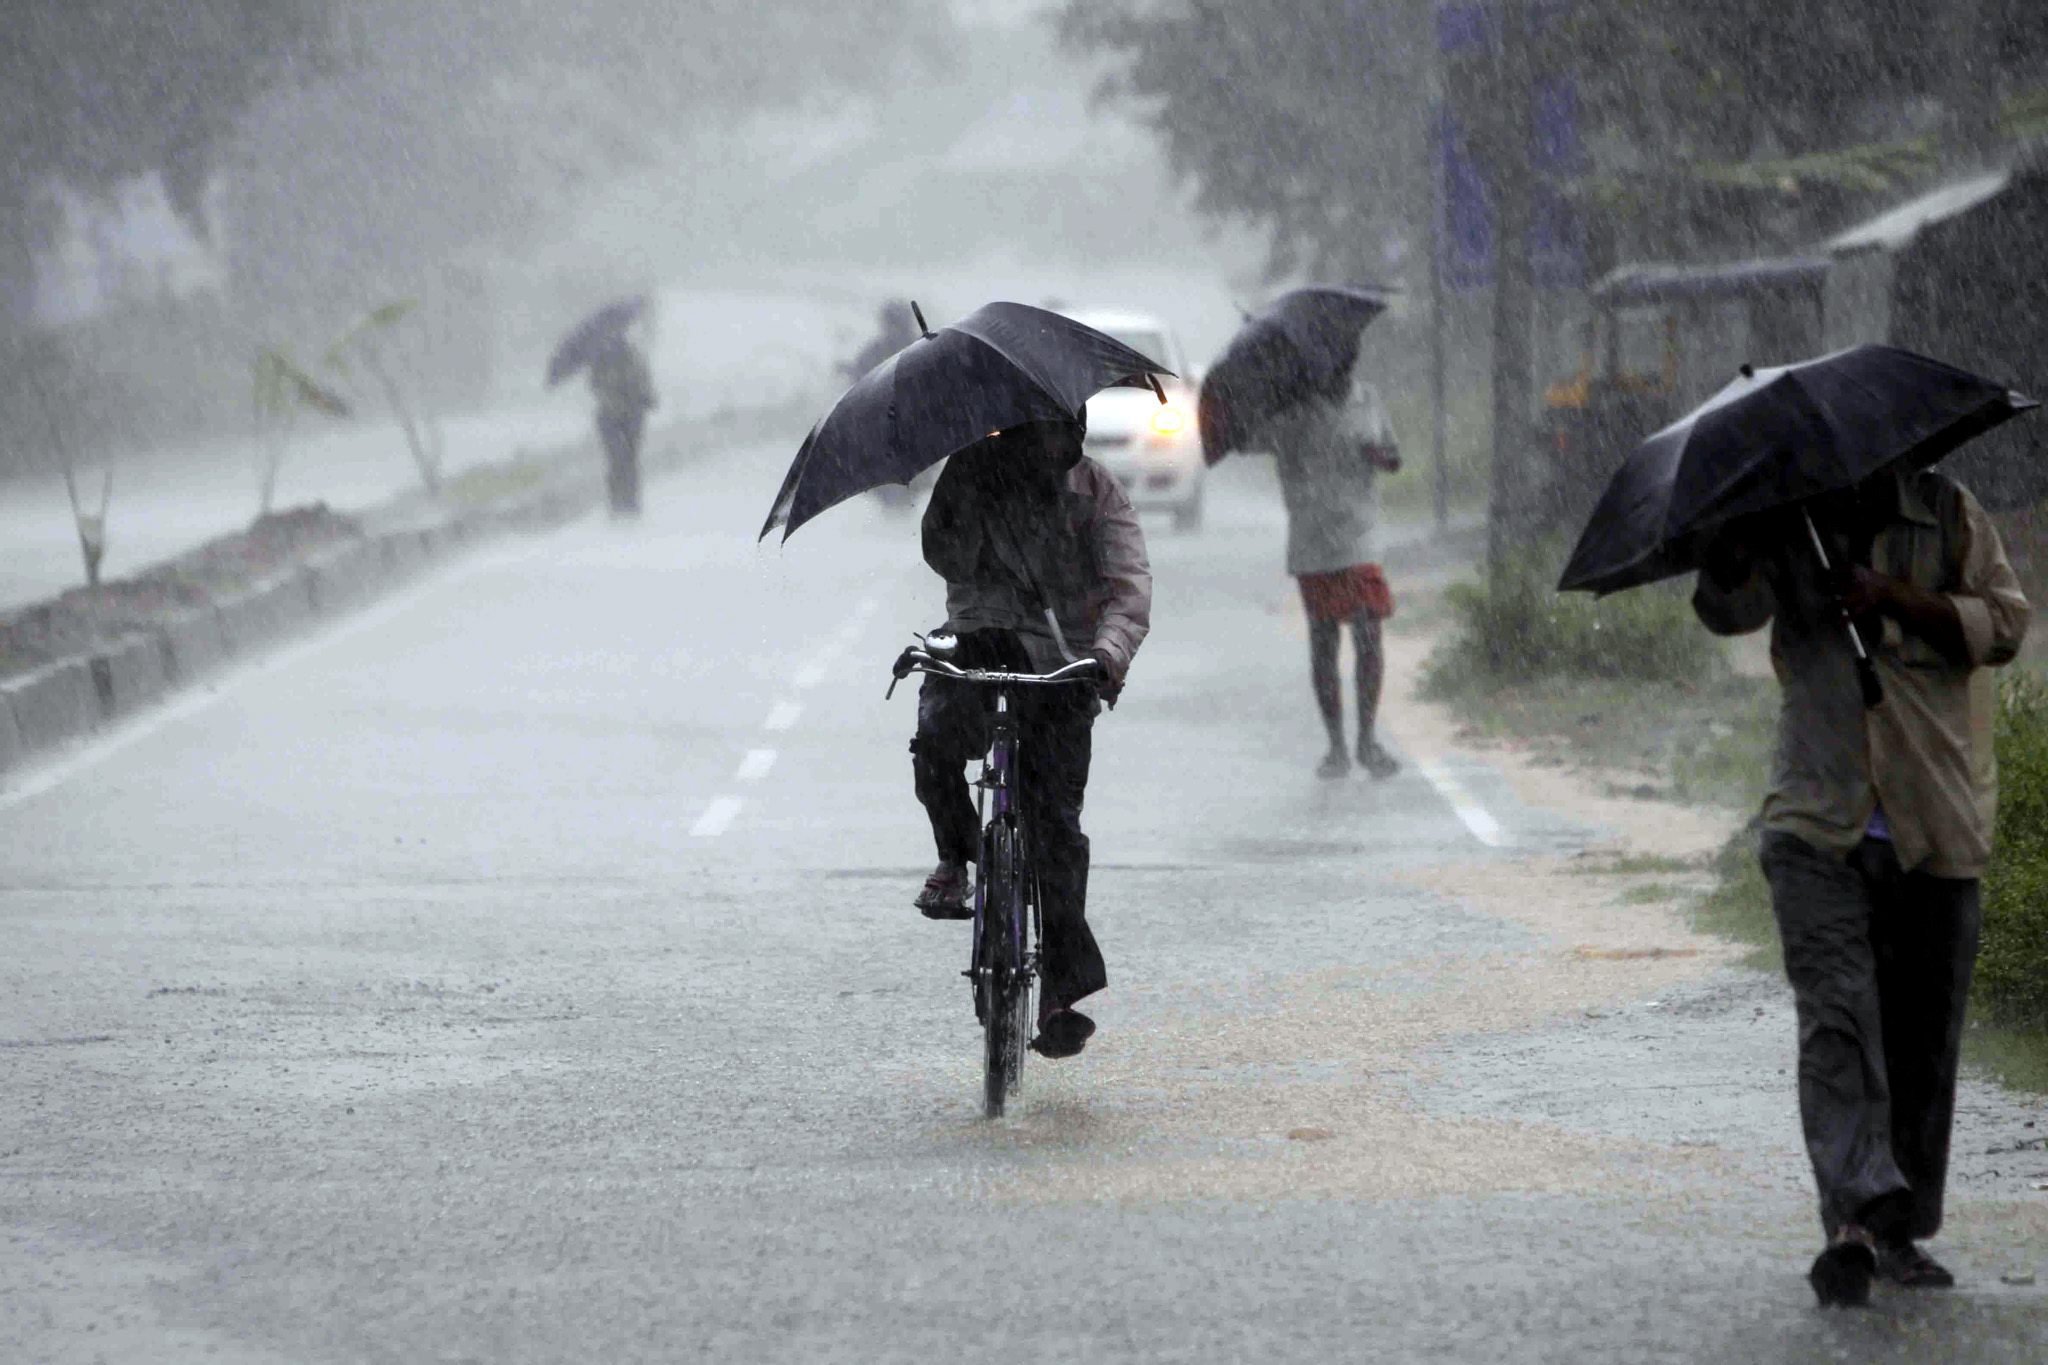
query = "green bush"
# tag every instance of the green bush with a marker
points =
(2012, 972)
(1527, 632)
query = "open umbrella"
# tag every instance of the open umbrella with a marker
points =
(583, 342)
(1775, 439)
(1002, 365)
(1293, 349)
(1771, 439)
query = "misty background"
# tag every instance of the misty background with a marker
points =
(187, 187)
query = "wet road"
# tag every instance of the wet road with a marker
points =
(525, 971)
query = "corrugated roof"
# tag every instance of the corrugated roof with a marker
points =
(1896, 227)
(1649, 283)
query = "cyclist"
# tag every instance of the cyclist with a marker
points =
(1041, 554)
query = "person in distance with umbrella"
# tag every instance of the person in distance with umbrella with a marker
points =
(1876, 830)
(1286, 383)
(624, 389)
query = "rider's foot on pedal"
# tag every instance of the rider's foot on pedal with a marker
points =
(1063, 1033)
(1335, 764)
(1375, 760)
(945, 893)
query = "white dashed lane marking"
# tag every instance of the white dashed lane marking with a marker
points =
(758, 763)
(717, 818)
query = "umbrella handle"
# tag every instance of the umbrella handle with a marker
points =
(1866, 671)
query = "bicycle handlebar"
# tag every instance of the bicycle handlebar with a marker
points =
(915, 660)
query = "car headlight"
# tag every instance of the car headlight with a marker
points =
(1169, 420)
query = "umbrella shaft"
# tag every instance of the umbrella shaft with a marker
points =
(1827, 567)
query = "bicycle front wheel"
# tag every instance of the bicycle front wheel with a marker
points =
(1006, 980)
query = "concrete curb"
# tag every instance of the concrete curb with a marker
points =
(57, 702)
(70, 698)
(195, 643)
(346, 577)
(132, 674)
(267, 612)
(12, 750)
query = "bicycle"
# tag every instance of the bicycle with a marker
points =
(1003, 964)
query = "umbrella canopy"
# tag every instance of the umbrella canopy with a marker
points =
(583, 342)
(1002, 365)
(1298, 346)
(1772, 439)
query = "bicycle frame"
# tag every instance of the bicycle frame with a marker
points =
(1002, 971)
(1002, 778)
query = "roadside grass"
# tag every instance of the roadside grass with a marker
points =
(483, 484)
(1636, 865)
(1467, 451)
(1676, 741)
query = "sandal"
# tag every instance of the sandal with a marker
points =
(945, 893)
(1909, 1267)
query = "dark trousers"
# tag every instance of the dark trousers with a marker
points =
(1056, 726)
(620, 433)
(1880, 963)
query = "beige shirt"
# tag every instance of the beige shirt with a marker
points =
(1331, 489)
(1925, 752)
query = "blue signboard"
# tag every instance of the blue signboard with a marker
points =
(1466, 231)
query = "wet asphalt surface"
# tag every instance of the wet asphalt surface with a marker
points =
(525, 971)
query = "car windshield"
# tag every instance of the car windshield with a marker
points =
(1144, 340)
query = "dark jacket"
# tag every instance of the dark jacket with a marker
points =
(1008, 550)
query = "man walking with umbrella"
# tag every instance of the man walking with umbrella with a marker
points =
(624, 389)
(1286, 383)
(1803, 498)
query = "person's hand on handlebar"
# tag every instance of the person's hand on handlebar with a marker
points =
(1109, 685)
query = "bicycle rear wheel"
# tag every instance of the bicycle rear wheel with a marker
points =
(1005, 980)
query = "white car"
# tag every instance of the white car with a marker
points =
(1153, 449)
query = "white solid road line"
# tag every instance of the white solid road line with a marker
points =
(717, 818)
(783, 717)
(1484, 827)
(755, 765)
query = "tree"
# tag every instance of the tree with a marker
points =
(460, 128)
(373, 344)
(94, 92)
(1712, 125)
(280, 391)
(1305, 116)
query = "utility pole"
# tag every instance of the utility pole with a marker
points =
(1438, 417)
(1969, 83)
(1504, 115)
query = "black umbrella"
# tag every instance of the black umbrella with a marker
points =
(588, 338)
(1771, 439)
(1000, 366)
(1774, 439)
(1298, 346)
